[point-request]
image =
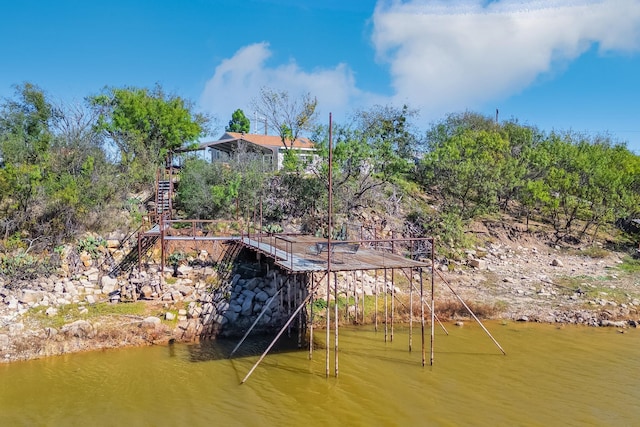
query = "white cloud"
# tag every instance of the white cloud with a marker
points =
(237, 80)
(450, 55)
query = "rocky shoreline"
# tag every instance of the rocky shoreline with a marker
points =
(520, 282)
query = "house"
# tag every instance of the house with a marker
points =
(266, 148)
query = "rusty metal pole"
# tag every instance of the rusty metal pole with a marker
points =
(386, 310)
(139, 252)
(162, 254)
(411, 309)
(433, 305)
(299, 298)
(393, 297)
(260, 231)
(328, 326)
(422, 315)
(436, 316)
(275, 340)
(335, 348)
(375, 312)
(363, 299)
(255, 322)
(472, 313)
(289, 305)
(311, 318)
(330, 195)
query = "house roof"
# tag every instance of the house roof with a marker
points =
(265, 143)
(267, 140)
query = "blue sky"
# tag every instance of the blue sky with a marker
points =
(556, 64)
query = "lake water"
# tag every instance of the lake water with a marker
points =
(551, 376)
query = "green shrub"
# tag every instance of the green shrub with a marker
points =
(91, 245)
(176, 258)
(23, 266)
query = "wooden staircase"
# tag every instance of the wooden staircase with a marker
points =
(164, 196)
(146, 240)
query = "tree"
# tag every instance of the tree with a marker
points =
(238, 123)
(291, 117)
(56, 176)
(588, 181)
(390, 126)
(376, 150)
(464, 166)
(25, 122)
(25, 139)
(145, 125)
(215, 190)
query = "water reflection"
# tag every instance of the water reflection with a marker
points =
(208, 350)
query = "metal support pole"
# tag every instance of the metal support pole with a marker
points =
(330, 208)
(328, 329)
(289, 304)
(355, 297)
(311, 318)
(363, 301)
(472, 314)
(335, 348)
(162, 254)
(299, 298)
(410, 310)
(422, 315)
(375, 312)
(139, 251)
(284, 328)
(386, 310)
(433, 305)
(393, 295)
(255, 322)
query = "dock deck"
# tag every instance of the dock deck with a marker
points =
(298, 254)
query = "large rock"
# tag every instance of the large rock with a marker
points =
(79, 329)
(193, 312)
(92, 275)
(234, 281)
(615, 324)
(12, 302)
(70, 288)
(108, 284)
(252, 284)
(247, 306)
(150, 322)
(261, 296)
(248, 293)
(146, 291)
(29, 296)
(222, 306)
(270, 290)
(477, 264)
(231, 316)
(86, 260)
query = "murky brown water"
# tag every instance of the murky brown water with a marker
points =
(550, 376)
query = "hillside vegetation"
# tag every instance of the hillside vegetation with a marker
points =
(71, 169)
